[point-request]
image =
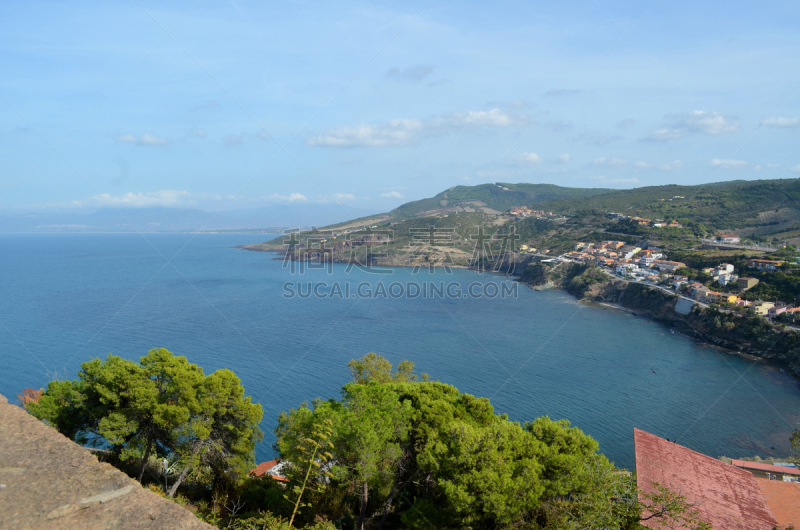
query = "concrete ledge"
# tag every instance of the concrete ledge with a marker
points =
(47, 481)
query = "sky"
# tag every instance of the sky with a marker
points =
(369, 104)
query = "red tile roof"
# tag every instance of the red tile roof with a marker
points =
(263, 469)
(726, 496)
(784, 500)
(774, 262)
(785, 470)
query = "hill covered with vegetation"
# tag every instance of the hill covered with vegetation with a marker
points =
(766, 211)
(770, 204)
(500, 197)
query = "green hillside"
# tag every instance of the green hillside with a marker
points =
(763, 210)
(500, 197)
(760, 204)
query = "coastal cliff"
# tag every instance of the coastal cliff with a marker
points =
(735, 331)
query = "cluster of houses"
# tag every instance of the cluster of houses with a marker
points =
(628, 260)
(524, 211)
(724, 275)
(647, 264)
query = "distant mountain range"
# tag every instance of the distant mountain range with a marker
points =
(163, 219)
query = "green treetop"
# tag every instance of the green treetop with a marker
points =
(163, 405)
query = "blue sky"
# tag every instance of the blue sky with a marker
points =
(372, 104)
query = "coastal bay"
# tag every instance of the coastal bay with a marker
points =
(70, 297)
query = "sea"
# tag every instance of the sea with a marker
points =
(288, 332)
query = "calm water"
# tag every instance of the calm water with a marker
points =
(65, 298)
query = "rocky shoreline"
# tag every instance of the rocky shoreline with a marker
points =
(742, 334)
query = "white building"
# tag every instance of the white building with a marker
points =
(724, 268)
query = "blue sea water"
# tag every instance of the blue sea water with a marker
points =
(65, 298)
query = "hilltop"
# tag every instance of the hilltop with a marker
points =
(555, 218)
(490, 198)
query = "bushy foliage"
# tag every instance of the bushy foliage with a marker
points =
(162, 405)
(579, 277)
(396, 451)
(422, 454)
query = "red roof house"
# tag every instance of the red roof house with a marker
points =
(784, 500)
(724, 495)
(268, 469)
(759, 469)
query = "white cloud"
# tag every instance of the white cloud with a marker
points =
(757, 168)
(625, 181)
(698, 121)
(563, 158)
(727, 163)
(343, 197)
(675, 165)
(140, 200)
(395, 132)
(706, 122)
(665, 135)
(144, 139)
(526, 159)
(624, 124)
(781, 122)
(616, 180)
(292, 197)
(479, 118)
(796, 168)
(405, 131)
(609, 162)
(183, 199)
(392, 195)
(773, 165)
(641, 164)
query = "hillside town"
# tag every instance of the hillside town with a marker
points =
(650, 266)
